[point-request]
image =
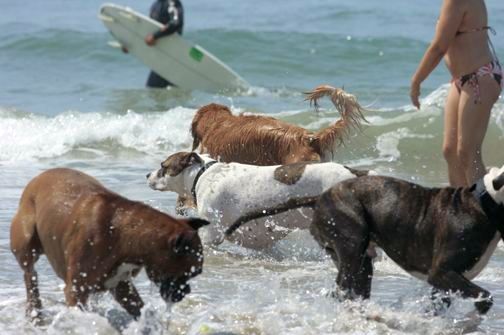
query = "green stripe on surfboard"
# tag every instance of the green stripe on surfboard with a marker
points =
(196, 54)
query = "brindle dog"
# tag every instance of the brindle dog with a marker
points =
(442, 235)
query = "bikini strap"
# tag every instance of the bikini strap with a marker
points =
(492, 30)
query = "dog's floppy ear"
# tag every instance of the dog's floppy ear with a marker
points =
(498, 182)
(313, 141)
(196, 223)
(182, 244)
(180, 161)
(194, 158)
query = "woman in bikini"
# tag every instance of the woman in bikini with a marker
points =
(462, 39)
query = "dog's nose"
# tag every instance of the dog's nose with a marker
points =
(148, 175)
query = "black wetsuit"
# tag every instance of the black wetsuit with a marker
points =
(171, 14)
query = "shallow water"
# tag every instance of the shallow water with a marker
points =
(67, 100)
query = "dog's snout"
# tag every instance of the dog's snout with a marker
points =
(148, 175)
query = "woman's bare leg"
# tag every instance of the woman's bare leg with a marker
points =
(456, 175)
(472, 124)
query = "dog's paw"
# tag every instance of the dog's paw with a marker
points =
(39, 318)
(439, 305)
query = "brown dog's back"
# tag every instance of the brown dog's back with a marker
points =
(249, 139)
(263, 140)
(46, 208)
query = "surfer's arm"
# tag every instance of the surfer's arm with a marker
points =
(173, 24)
(164, 31)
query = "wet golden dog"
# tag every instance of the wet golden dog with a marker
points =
(263, 140)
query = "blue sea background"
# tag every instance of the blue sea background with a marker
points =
(68, 99)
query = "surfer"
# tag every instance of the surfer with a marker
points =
(171, 14)
(462, 39)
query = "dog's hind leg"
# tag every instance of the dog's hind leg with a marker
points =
(127, 296)
(345, 235)
(353, 281)
(355, 273)
(26, 247)
(451, 281)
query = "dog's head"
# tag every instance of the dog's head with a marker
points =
(171, 176)
(177, 260)
(494, 184)
(205, 119)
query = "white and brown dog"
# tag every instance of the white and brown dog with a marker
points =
(264, 140)
(225, 191)
(96, 240)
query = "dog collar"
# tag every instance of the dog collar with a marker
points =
(493, 210)
(200, 172)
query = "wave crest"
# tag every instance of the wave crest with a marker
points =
(33, 137)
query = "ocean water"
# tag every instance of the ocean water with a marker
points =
(69, 100)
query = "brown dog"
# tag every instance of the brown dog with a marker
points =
(96, 240)
(262, 140)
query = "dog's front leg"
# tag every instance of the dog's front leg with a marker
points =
(451, 281)
(440, 301)
(127, 296)
(76, 292)
(184, 205)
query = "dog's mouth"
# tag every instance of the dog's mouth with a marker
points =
(174, 290)
(155, 182)
(152, 184)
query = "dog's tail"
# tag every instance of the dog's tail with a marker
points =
(284, 207)
(351, 116)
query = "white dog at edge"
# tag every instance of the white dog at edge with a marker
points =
(224, 192)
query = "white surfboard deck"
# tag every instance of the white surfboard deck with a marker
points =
(186, 65)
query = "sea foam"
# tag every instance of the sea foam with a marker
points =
(28, 137)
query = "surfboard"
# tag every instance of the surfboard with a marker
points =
(187, 65)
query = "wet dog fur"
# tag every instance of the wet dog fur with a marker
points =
(444, 236)
(97, 240)
(225, 191)
(264, 140)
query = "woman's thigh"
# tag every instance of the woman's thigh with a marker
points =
(451, 120)
(474, 113)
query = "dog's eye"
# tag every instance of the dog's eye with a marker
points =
(162, 171)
